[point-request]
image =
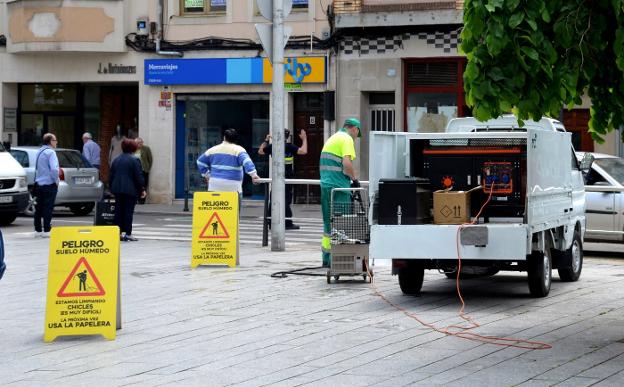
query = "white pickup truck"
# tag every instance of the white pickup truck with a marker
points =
(534, 219)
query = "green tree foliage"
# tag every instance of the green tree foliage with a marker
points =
(534, 57)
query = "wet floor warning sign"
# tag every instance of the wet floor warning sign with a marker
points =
(83, 287)
(215, 229)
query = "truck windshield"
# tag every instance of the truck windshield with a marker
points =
(613, 166)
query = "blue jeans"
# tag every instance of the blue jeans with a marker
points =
(2, 264)
(45, 195)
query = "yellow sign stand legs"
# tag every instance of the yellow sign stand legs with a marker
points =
(83, 282)
(215, 229)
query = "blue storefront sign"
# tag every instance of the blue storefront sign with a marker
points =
(231, 71)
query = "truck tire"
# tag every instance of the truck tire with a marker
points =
(30, 208)
(540, 272)
(572, 260)
(411, 279)
(7, 218)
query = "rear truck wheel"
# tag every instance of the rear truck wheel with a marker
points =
(7, 218)
(411, 278)
(81, 209)
(30, 208)
(572, 260)
(540, 272)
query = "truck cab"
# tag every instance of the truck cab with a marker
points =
(490, 195)
(14, 195)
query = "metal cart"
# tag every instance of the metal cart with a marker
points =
(350, 235)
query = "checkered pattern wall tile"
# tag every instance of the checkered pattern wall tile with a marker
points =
(378, 45)
(446, 41)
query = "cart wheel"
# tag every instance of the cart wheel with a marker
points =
(328, 277)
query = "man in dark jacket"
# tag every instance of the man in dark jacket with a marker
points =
(127, 184)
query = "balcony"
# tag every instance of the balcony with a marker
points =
(66, 26)
(389, 13)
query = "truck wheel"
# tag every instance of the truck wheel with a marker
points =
(30, 208)
(540, 272)
(411, 279)
(7, 218)
(572, 260)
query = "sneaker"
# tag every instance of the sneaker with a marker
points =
(292, 226)
(122, 237)
(38, 234)
(131, 238)
(45, 234)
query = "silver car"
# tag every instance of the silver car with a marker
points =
(80, 186)
(604, 193)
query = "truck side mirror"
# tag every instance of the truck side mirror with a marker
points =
(586, 162)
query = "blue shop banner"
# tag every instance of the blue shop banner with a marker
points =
(232, 71)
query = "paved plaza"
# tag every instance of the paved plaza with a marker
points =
(215, 326)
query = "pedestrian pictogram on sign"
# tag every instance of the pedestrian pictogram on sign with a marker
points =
(80, 280)
(216, 227)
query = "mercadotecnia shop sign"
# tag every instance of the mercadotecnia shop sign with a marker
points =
(232, 71)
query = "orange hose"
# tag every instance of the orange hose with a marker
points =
(459, 330)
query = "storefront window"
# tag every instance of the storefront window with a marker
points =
(430, 112)
(205, 119)
(48, 97)
(92, 111)
(31, 129)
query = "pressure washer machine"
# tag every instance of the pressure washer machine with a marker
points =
(350, 235)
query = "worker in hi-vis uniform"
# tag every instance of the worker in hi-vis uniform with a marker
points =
(290, 150)
(337, 171)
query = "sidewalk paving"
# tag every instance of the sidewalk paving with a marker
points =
(215, 326)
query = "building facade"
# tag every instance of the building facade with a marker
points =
(178, 72)
(175, 72)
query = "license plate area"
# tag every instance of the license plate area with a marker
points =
(6, 199)
(83, 180)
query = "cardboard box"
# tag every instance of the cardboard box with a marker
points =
(451, 207)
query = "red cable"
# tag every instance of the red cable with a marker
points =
(463, 331)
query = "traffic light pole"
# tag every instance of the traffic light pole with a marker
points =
(278, 207)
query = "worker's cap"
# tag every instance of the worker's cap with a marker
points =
(354, 122)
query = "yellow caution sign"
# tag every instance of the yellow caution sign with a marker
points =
(83, 282)
(215, 229)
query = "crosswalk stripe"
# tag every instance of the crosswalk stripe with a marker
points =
(243, 236)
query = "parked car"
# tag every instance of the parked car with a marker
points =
(80, 186)
(13, 191)
(604, 187)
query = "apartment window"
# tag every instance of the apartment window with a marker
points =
(382, 114)
(433, 93)
(190, 7)
(300, 4)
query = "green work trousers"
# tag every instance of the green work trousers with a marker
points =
(339, 197)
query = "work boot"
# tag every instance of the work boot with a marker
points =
(292, 226)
